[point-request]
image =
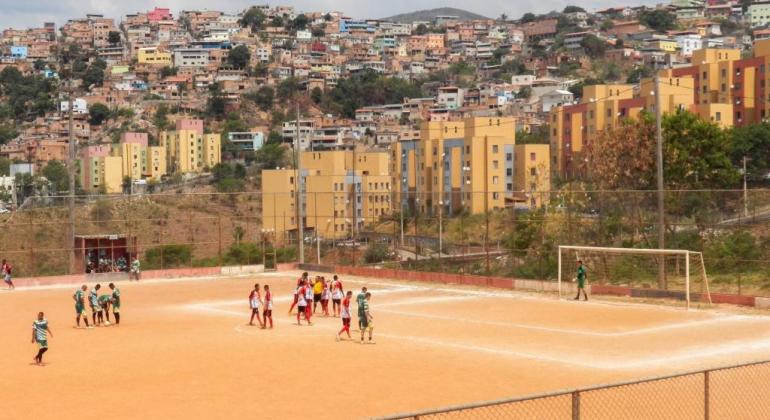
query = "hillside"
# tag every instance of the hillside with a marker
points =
(429, 15)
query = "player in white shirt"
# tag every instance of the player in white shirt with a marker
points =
(255, 302)
(337, 294)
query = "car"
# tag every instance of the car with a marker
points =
(4, 211)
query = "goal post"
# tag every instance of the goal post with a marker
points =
(637, 268)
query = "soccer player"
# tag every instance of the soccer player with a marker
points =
(255, 301)
(309, 299)
(345, 313)
(93, 301)
(360, 302)
(135, 269)
(267, 313)
(337, 295)
(301, 304)
(326, 295)
(115, 302)
(581, 280)
(300, 281)
(368, 319)
(104, 303)
(80, 305)
(40, 331)
(6, 268)
(318, 289)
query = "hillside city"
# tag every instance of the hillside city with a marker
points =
(440, 115)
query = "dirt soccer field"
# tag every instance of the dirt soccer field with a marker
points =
(183, 350)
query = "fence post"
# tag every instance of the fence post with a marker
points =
(576, 405)
(706, 391)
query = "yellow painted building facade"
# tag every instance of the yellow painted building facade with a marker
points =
(153, 56)
(342, 191)
(189, 151)
(458, 165)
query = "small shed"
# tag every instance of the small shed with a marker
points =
(104, 253)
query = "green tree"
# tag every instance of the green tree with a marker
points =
(638, 73)
(524, 93)
(216, 104)
(239, 57)
(752, 141)
(271, 155)
(7, 132)
(167, 71)
(593, 46)
(262, 97)
(56, 173)
(528, 17)
(573, 9)
(607, 25)
(277, 21)
(5, 166)
(376, 252)
(288, 88)
(697, 153)
(254, 19)
(300, 22)
(94, 76)
(160, 119)
(658, 19)
(318, 32)
(316, 95)
(421, 29)
(113, 37)
(168, 256)
(98, 113)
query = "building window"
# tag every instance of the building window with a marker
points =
(533, 156)
(508, 172)
(495, 196)
(495, 149)
(532, 171)
(495, 180)
(495, 164)
(718, 116)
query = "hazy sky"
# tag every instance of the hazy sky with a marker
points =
(17, 14)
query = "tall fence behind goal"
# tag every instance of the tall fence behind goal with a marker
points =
(683, 272)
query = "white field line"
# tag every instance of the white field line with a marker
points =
(688, 354)
(513, 325)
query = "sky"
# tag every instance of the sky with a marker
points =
(21, 14)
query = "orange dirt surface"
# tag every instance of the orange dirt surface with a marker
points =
(183, 350)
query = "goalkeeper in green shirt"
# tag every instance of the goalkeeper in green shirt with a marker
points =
(581, 280)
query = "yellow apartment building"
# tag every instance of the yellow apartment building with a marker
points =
(191, 151)
(533, 174)
(101, 174)
(719, 86)
(457, 165)
(153, 56)
(133, 159)
(342, 192)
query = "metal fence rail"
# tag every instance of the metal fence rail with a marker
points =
(731, 392)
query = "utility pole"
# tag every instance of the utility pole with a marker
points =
(661, 204)
(298, 198)
(71, 172)
(745, 191)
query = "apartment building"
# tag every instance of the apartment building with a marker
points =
(461, 165)
(188, 149)
(153, 56)
(719, 86)
(342, 192)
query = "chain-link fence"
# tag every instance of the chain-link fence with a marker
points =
(459, 232)
(735, 392)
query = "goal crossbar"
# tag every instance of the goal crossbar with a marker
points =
(687, 254)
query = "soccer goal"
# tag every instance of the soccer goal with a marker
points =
(684, 272)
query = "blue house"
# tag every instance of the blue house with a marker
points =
(19, 51)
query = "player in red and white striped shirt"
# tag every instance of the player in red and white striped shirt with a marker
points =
(345, 313)
(303, 304)
(337, 294)
(300, 281)
(267, 313)
(255, 301)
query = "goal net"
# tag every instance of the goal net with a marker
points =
(665, 273)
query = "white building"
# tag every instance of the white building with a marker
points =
(689, 43)
(250, 141)
(759, 13)
(79, 106)
(556, 98)
(191, 57)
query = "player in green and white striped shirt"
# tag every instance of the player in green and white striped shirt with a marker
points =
(115, 302)
(80, 305)
(40, 331)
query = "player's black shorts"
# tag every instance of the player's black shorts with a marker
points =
(336, 301)
(346, 322)
(301, 309)
(317, 298)
(364, 322)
